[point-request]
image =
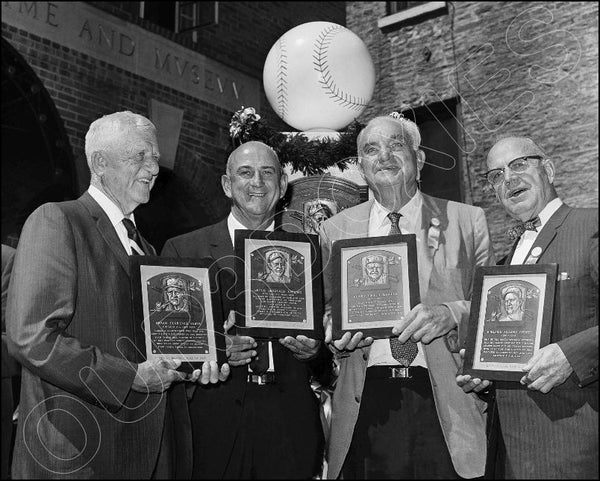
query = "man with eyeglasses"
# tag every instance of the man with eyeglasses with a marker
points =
(549, 421)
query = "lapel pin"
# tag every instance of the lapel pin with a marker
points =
(536, 251)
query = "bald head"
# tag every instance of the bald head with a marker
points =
(510, 148)
(254, 182)
(253, 149)
(522, 176)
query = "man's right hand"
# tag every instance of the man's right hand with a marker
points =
(471, 384)
(239, 349)
(157, 375)
(348, 342)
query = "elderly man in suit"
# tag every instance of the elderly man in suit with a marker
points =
(259, 424)
(549, 421)
(402, 416)
(91, 406)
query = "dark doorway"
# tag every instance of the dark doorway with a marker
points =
(441, 176)
(37, 161)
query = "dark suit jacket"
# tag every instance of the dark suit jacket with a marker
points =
(216, 410)
(559, 430)
(70, 326)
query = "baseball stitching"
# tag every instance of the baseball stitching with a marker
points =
(282, 80)
(321, 65)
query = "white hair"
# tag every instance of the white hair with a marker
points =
(404, 124)
(104, 132)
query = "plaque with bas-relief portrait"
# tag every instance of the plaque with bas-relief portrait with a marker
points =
(375, 284)
(510, 319)
(278, 284)
(177, 305)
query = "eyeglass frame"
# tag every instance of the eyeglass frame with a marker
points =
(502, 169)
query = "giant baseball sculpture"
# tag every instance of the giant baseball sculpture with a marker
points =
(319, 76)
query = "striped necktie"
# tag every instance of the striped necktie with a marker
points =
(137, 246)
(405, 353)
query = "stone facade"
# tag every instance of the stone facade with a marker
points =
(519, 68)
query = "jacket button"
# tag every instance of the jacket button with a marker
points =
(365, 356)
(357, 398)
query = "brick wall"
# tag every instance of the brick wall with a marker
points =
(521, 68)
(84, 88)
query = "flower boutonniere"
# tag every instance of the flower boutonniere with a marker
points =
(433, 235)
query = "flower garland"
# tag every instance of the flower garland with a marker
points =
(311, 157)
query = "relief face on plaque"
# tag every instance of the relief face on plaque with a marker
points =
(315, 212)
(177, 318)
(374, 286)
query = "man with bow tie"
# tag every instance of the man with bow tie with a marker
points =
(549, 421)
(397, 412)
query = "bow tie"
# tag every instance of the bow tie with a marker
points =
(517, 230)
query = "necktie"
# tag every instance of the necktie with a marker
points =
(517, 230)
(405, 353)
(260, 362)
(134, 236)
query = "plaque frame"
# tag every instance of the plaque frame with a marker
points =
(145, 269)
(488, 282)
(252, 248)
(345, 249)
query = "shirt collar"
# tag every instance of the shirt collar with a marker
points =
(111, 209)
(409, 211)
(549, 210)
(233, 224)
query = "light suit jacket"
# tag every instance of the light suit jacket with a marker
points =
(446, 260)
(70, 325)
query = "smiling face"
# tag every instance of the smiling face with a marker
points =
(277, 266)
(374, 270)
(388, 158)
(524, 195)
(126, 166)
(254, 183)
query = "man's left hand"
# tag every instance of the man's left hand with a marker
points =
(424, 323)
(303, 348)
(546, 369)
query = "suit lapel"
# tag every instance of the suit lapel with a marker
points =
(429, 238)
(106, 230)
(221, 247)
(547, 234)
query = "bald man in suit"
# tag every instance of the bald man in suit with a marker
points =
(549, 421)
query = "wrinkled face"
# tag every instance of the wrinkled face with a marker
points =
(512, 302)
(387, 157)
(129, 168)
(524, 195)
(277, 266)
(374, 270)
(254, 182)
(175, 296)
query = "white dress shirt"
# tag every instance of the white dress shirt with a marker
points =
(529, 236)
(115, 216)
(380, 225)
(232, 225)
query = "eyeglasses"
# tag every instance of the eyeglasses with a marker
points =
(518, 166)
